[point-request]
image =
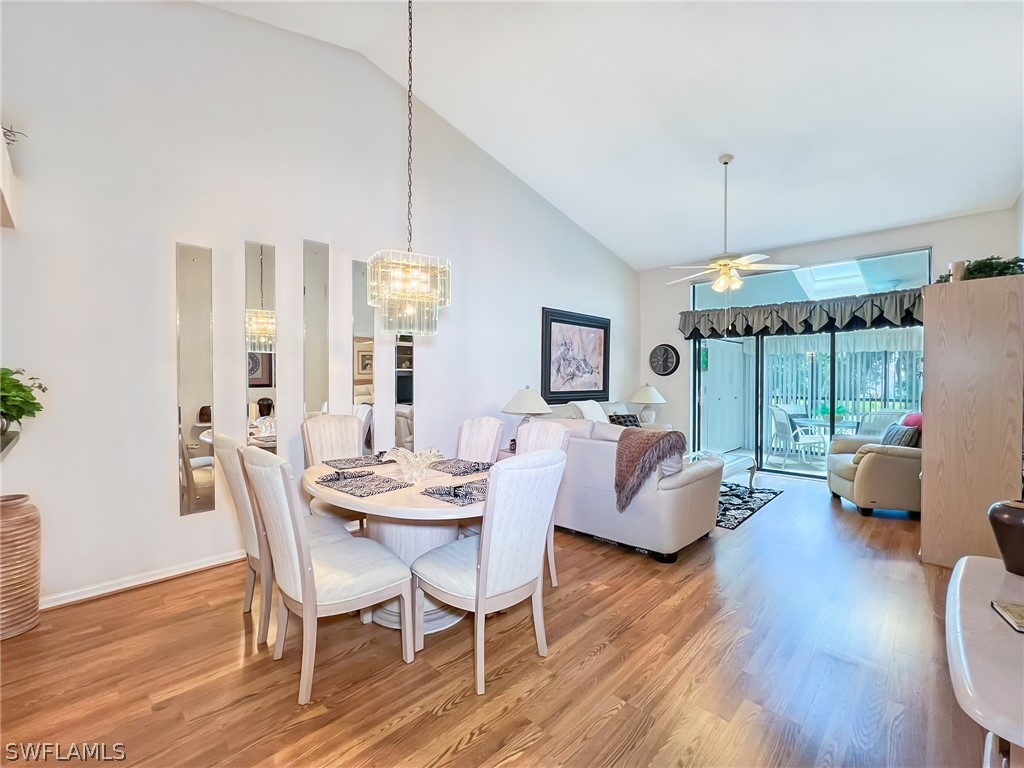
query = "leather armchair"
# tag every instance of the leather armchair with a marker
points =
(875, 476)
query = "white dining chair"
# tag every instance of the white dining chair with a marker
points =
(479, 439)
(327, 437)
(196, 479)
(322, 529)
(504, 565)
(364, 413)
(313, 582)
(542, 435)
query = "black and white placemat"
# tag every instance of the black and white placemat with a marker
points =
(461, 495)
(358, 461)
(361, 484)
(461, 467)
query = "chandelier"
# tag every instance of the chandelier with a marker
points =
(408, 288)
(260, 324)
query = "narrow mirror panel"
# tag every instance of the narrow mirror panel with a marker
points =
(194, 272)
(404, 421)
(261, 344)
(316, 325)
(362, 353)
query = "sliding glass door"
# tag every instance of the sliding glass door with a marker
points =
(796, 392)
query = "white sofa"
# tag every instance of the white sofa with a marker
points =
(595, 411)
(676, 506)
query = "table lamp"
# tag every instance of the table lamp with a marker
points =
(526, 402)
(647, 396)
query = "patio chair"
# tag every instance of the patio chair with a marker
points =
(788, 436)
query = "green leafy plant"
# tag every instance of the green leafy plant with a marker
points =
(993, 266)
(822, 411)
(17, 397)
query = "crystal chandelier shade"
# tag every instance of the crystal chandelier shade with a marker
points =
(409, 289)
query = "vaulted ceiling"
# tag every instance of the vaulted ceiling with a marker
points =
(844, 118)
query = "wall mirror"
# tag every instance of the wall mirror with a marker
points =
(315, 325)
(261, 344)
(194, 281)
(403, 392)
(362, 352)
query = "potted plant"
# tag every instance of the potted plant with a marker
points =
(18, 398)
(993, 266)
(20, 529)
(822, 412)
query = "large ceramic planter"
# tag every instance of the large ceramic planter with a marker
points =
(19, 565)
(1007, 519)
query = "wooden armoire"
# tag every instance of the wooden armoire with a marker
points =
(973, 406)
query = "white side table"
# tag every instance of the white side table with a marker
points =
(986, 655)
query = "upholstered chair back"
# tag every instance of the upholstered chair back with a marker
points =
(331, 437)
(363, 412)
(540, 435)
(226, 450)
(273, 488)
(520, 502)
(479, 439)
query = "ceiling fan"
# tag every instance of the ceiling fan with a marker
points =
(729, 265)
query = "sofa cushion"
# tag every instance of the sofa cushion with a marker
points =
(842, 464)
(577, 427)
(897, 435)
(591, 409)
(624, 419)
(913, 420)
(671, 466)
(614, 406)
(602, 431)
(564, 411)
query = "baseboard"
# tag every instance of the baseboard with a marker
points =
(130, 582)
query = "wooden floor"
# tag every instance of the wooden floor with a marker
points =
(808, 636)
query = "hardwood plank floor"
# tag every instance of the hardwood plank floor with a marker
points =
(809, 636)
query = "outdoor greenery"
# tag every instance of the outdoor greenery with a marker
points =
(17, 397)
(993, 266)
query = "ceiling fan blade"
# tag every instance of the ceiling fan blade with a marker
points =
(766, 267)
(691, 266)
(751, 258)
(692, 277)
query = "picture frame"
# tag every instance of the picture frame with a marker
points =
(261, 370)
(362, 362)
(575, 356)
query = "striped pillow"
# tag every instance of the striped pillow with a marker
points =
(897, 435)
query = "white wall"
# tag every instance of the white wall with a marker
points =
(1018, 209)
(255, 135)
(964, 237)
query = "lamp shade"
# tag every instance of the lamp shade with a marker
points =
(527, 402)
(647, 395)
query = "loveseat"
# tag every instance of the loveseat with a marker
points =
(676, 506)
(872, 475)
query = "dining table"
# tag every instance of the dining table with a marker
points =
(408, 523)
(822, 425)
(260, 441)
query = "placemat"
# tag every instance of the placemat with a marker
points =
(361, 484)
(358, 461)
(461, 467)
(461, 495)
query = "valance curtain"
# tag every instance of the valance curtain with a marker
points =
(894, 309)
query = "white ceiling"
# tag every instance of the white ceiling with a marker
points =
(844, 118)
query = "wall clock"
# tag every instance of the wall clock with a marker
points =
(664, 359)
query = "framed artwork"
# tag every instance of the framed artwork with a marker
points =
(362, 362)
(261, 369)
(574, 356)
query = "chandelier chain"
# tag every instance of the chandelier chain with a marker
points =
(409, 157)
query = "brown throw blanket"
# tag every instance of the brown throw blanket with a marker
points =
(639, 453)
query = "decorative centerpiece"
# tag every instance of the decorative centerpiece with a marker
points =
(414, 466)
(822, 412)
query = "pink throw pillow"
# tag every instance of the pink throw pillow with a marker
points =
(912, 420)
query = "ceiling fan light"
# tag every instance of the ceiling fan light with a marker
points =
(721, 285)
(734, 282)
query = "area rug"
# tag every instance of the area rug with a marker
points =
(737, 502)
